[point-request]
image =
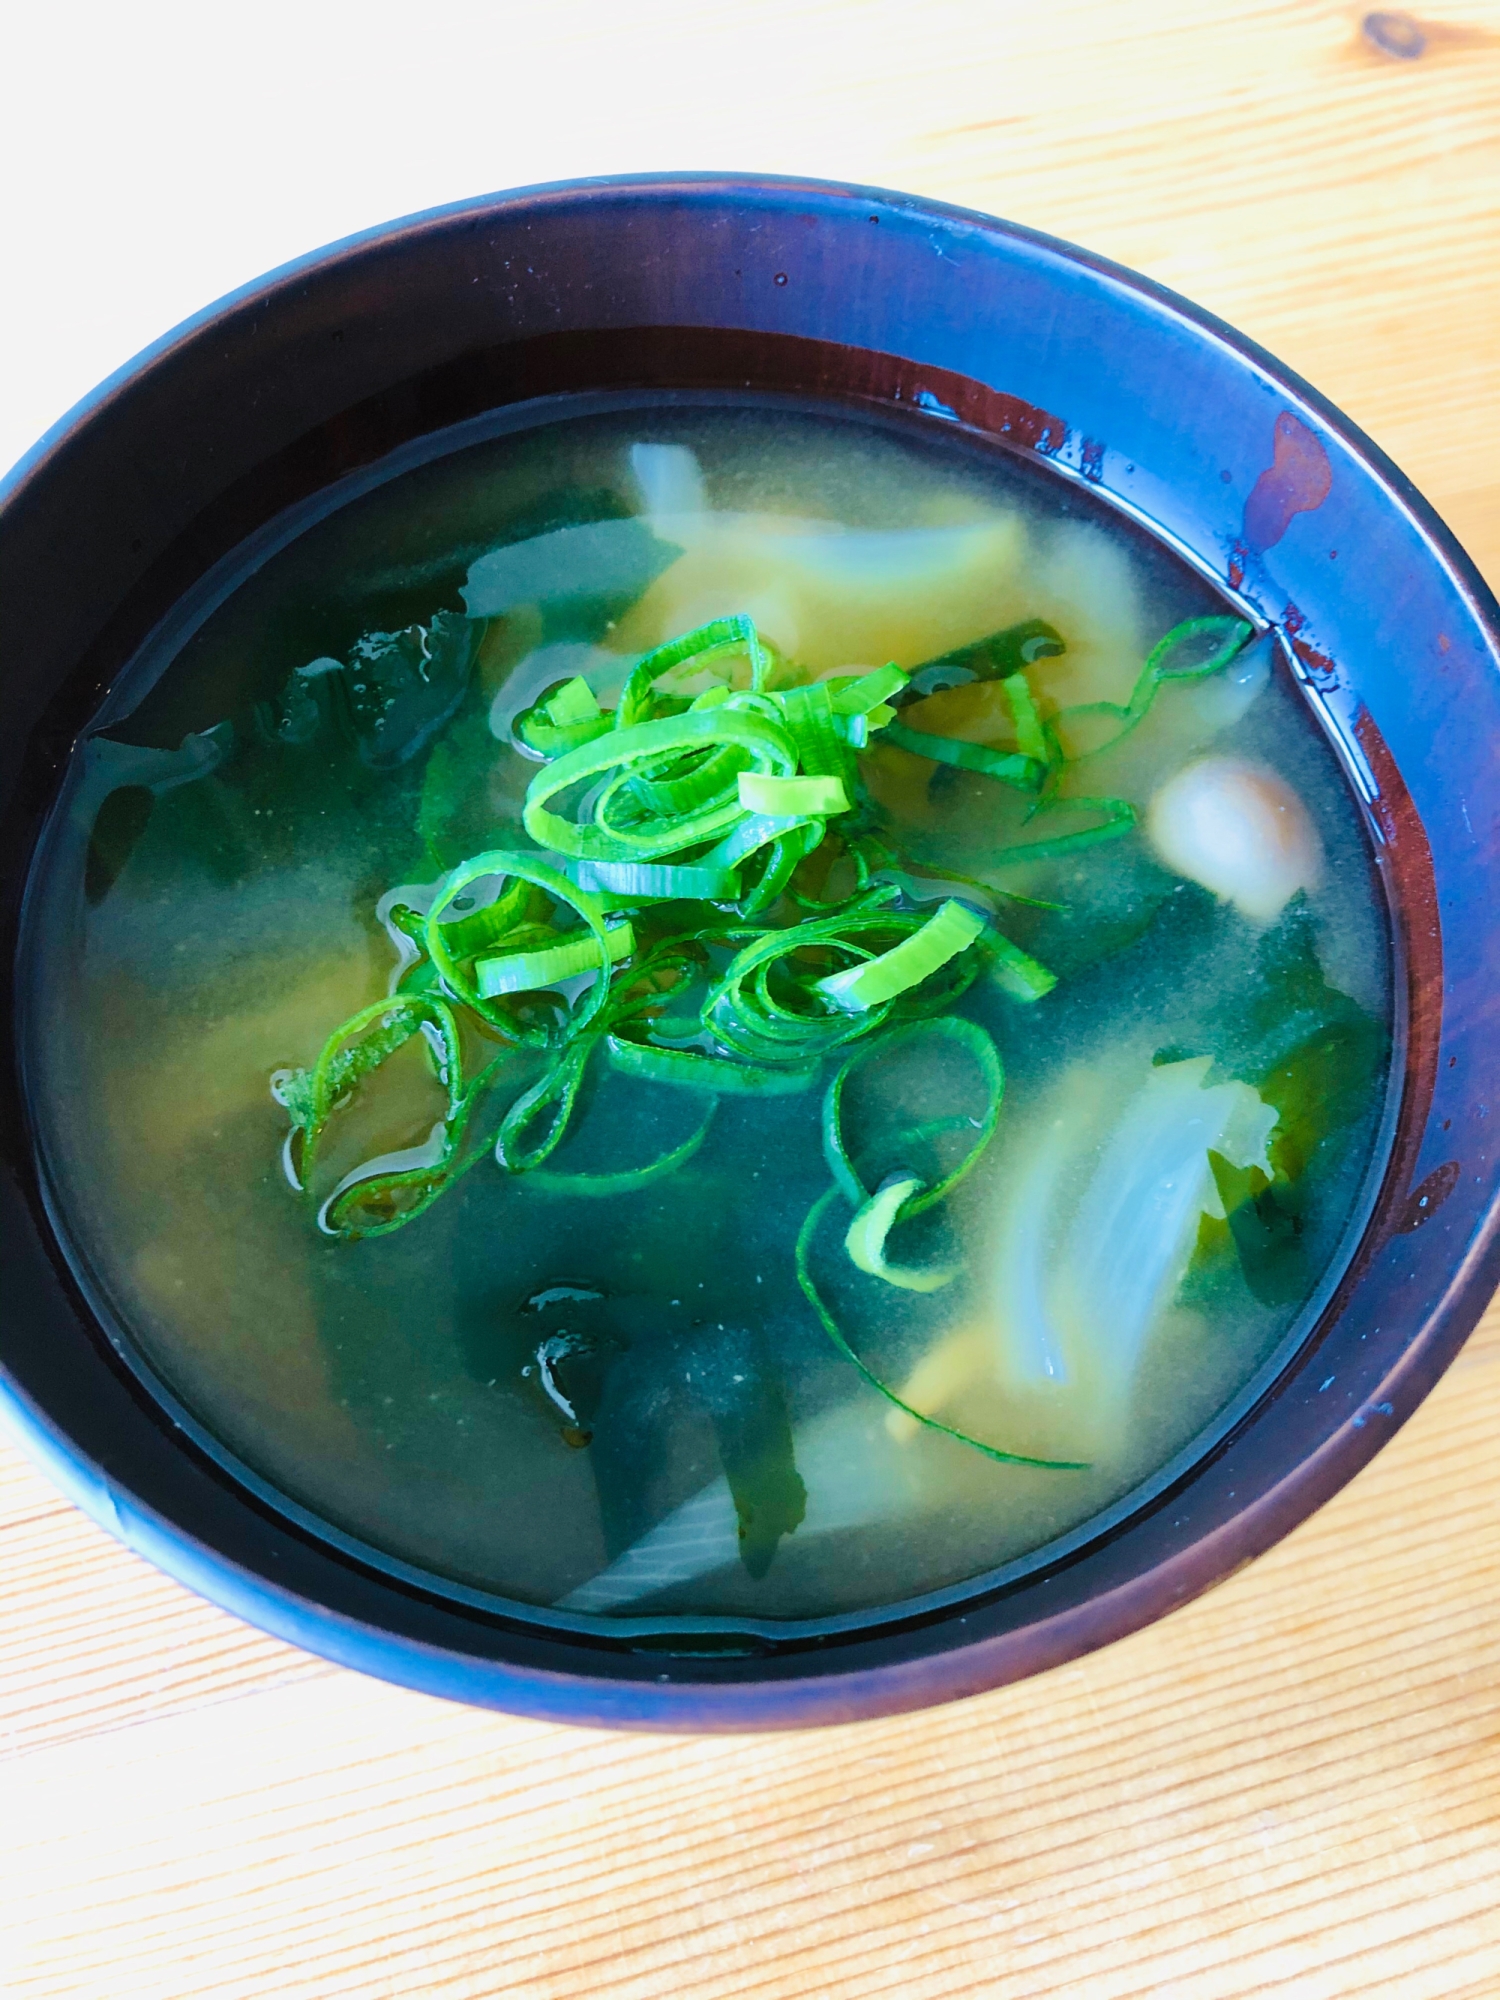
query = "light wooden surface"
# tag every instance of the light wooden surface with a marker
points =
(1291, 1787)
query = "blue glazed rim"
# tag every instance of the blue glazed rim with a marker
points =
(1427, 1261)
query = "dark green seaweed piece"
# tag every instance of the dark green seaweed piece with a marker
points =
(389, 700)
(753, 1428)
(455, 814)
(1265, 1226)
(1317, 1057)
(118, 825)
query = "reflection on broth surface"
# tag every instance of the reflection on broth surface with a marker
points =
(709, 1010)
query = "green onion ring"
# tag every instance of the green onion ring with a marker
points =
(506, 863)
(835, 1333)
(629, 1179)
(690, 1069)
(976, 1043)
(720, 635)
(943, 936)
(873, 1223)
(766, 743)
(556, 1090)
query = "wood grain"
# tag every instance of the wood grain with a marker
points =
(1289, 1788)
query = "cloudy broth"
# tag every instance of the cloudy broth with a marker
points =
(799, 1285)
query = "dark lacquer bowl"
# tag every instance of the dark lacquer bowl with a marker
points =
(880, 302)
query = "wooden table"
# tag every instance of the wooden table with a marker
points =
(1291, 1787)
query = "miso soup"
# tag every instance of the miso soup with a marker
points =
(707, 1011)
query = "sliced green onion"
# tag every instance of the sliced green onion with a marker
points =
(753, 1020)
(363, 1043)
(551, 1098)
(1031, 737)
(545, 739)
(1022, 976)
(381, 1195)
(865, 1240)
(823, 747)
(862, 692)
(864, 853)
(781, 864)
(1191, 651)
(706, 642)
(670, 788)
(1198, 647)
(790, 837)
(575, 701)
(836, 1334)
(1024, 773)
(657, 979)
(685, 1069)
(1117, 817)
(419, 977)
(751, 834)
(952, 930)
(623, 752)
(658, 881)
(528, 971)
(563, 721)
(792, 797)
(630, 1179)
(979, 1047)
(519, 905)
(508, 864)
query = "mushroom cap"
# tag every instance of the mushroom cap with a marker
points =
(1239, 829)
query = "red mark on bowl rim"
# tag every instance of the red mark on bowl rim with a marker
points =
(1297, 480)
(1320, 668)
